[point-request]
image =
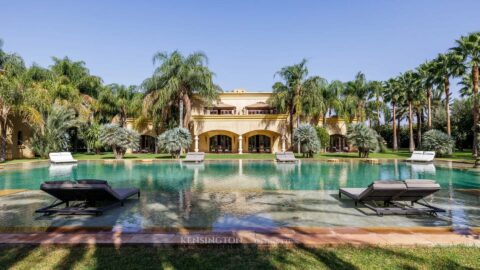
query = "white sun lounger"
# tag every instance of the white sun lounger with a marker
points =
(62, 157)
(285, 157)
(194, 157)
(420, 156)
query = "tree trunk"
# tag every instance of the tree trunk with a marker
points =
(475, 109)
(419, 128)
(290, 123)
(3, 147)
(429, 97)
(411, 145)
(394, 127)
(188, 110)
(447, 104)
(324, 119)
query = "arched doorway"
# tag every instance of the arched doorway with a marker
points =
(338, 143)
(259, 144)
(147, 144)
(220, 144)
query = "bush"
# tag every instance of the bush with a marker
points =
(364, 139)
(174, 140)
(307, 136)
(90, 134)
(435, 140)
(119, 139)
(323, 136)
(52, 136)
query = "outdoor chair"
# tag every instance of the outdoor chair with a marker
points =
(84, 197)
(285, 157)
(393, 194)
(194, 157)
(61, 157)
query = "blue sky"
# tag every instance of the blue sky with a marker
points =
(246, 41)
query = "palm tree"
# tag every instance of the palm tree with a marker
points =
(177, 79)
(468, 47)
(12, 93)
(376, 102)
(409, 81)
(357, 93)
(393, 94)
(289, 96)
(120, 102)
(331, 96)
(427, 77)
(446, 66)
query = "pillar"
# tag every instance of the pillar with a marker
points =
(196, 143)
(240, 147)
(283, 143)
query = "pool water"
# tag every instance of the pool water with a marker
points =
(238, 175)
(236, 195)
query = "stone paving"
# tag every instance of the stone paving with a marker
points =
(321, 237)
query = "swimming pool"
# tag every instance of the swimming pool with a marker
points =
(235, 195)
(238, 175)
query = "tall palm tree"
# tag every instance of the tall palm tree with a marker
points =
(357, 92)
(289, 94)
(468, 47)
(409, 81)
(427, 78)
(375, 101)
(393, 94)
(332, 95)
(314, 105)
(444, 67)
(177, 79)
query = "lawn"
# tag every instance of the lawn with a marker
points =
(462, 156)
(235, 257)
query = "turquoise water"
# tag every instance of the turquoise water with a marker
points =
(237, 175)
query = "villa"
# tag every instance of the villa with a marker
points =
(243, 122)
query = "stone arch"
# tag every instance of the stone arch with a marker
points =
(218, 141)
(261, 141)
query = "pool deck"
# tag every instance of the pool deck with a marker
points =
(310, 237)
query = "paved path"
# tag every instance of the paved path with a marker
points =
(312, 237)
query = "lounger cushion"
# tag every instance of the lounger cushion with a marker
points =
(352, 192)
(59, 182)
(126, 192)
(92, 181)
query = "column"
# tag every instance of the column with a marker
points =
(283, 143)
(196, 143)
(240, 141)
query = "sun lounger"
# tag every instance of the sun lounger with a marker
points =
(88, 196)
(392, 194)
(62, 157)
(194, 157)
(285, 157)
(420, 156)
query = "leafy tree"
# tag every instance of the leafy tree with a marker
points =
(120, 102)
(90, 134)
(119, 139)
(363, 138)
(441, 143)
(356, 94)
(52, 136)
(323, 136)
(297, 93)
(174, 140)
(176, 80)
(462, 122)
(306, 136)
(468, 48)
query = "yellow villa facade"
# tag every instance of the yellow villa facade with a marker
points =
(243, 122)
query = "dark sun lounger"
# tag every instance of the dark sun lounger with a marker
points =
(87, 197)
(393, 194)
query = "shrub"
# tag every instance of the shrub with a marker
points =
(307, 136)
(52, 136)
(323, 136)
(435, 140)
(119, 139)
(174, 140)
(364, 139)
(90, 134)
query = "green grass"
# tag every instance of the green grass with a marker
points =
(460, 156)
(237, 257)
